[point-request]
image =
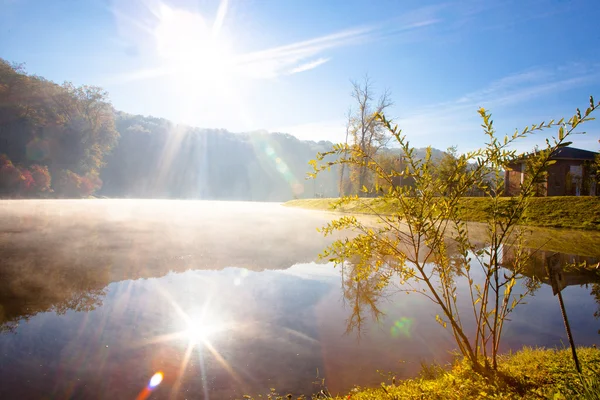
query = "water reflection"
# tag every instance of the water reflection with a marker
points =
(363, 295)
(229, 332)
(263, 337)
(577, 270)
(100, 314)
(59, 255)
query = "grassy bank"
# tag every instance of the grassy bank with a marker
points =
(527, 374)
(552, 212)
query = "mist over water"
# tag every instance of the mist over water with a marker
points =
(222, 298)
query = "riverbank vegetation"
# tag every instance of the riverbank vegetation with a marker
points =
(527, 374)
(551, 212)
(420, 222)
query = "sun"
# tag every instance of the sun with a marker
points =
(192, 46)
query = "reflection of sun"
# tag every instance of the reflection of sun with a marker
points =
(198, 332)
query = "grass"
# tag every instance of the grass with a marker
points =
(578, 218)
(527, 374)
(551, 212)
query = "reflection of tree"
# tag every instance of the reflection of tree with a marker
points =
(78, 300)
(81, 301)
(363, 288)
(36, 282)
(362, 294)
(576, 270)
(596, 294)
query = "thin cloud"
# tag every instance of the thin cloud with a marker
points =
(515, 89)
(311, 46)
(271, 63)
(457, 120)
(310, 65)
(221, 13)
(292, 57)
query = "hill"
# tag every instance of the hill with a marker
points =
(68, 141)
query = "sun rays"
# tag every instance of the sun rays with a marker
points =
(198, 331)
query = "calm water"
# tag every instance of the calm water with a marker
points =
(223, 298)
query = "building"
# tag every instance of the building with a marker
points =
(575, 270)
(569, 176)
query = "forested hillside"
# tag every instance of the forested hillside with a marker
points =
(67, 141)
(156, 158)
(53, 138)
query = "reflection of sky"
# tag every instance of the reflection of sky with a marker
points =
(273, 328)
(318, 272)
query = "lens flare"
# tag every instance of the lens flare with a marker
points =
(269, 160)
(402, 327)
(155, 380)
(152, 384)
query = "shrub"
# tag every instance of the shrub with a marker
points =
(41, 177)
(73, 185)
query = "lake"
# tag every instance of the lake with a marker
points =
(223, 298)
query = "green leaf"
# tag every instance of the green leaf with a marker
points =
(561, 133)
(440, 321)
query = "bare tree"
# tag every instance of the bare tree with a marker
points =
(367, 132)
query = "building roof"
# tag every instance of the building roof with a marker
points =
(571, 153)
(564, 153)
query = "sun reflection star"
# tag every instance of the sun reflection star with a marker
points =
(198, 331)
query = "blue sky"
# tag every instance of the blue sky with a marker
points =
(286, 65)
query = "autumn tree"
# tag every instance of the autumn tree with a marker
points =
(20, 181)
(389, 162)
(59, 127)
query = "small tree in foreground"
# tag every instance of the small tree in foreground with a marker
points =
(426, 246)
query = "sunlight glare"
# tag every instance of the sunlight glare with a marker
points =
(201, 330)
(187, 41)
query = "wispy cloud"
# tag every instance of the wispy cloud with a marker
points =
(283, 60)
(455, 121)
(309, 65)
(221, 13)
